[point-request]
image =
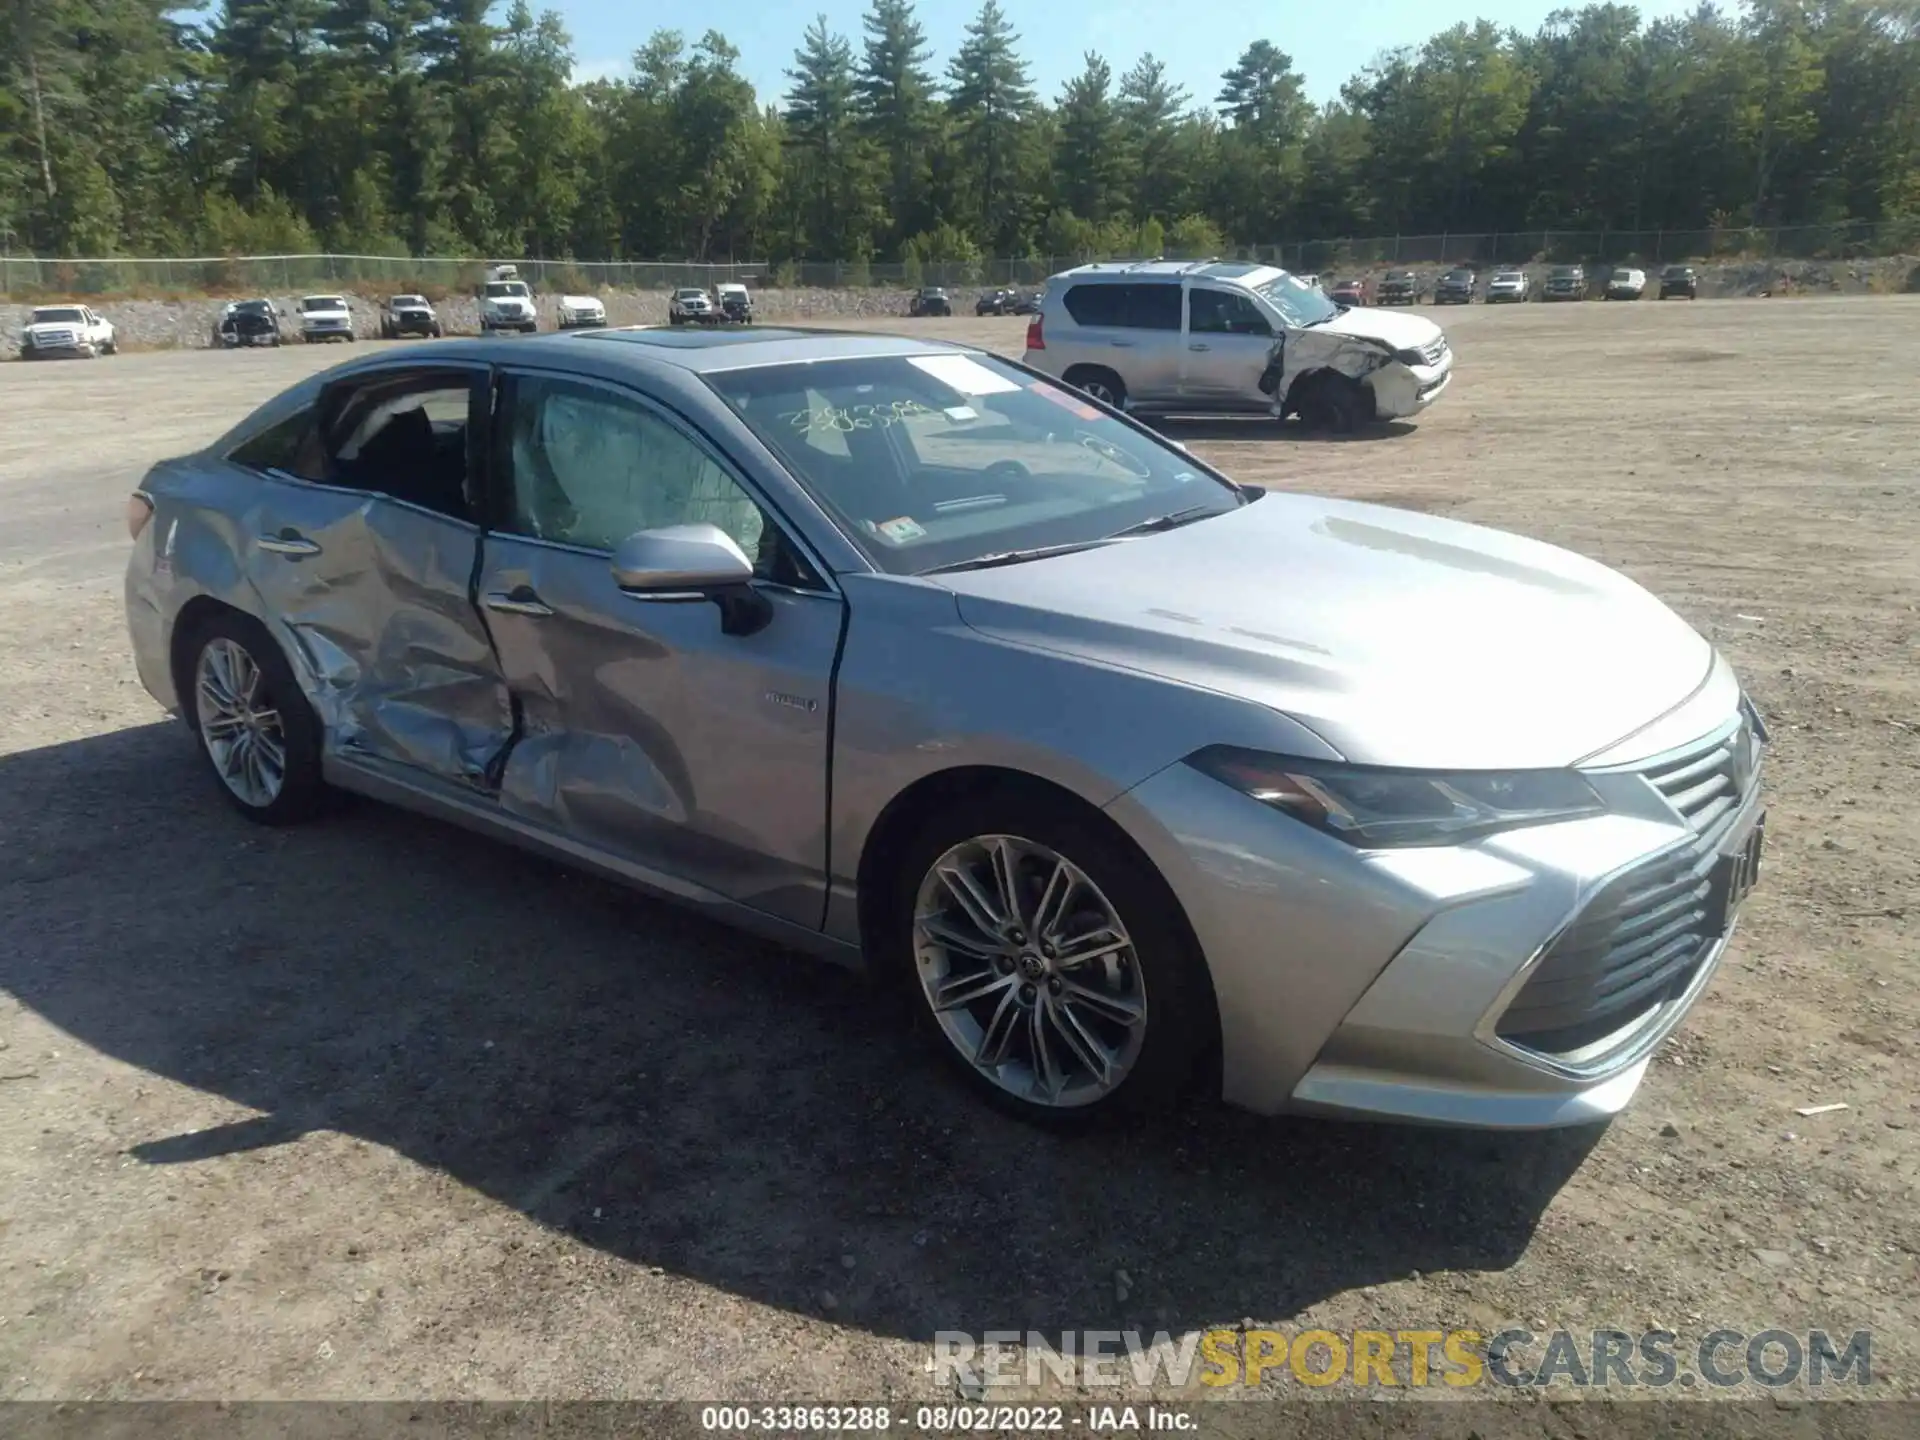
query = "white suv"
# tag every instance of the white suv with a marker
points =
(1167, 336)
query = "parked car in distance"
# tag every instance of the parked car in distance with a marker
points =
(1679, 280)
(1509, 287)
(736, 302)
(690, 305)
(1350, 292)
(247, 323)
(1169, 336)
(1395, 817)
(75, 331)
(1025, 302)
(1397, 287)
(1565, 282)
(580, 312)
(994, 302)
(931, 300)
(1626, 283)
(325, 317)
(409, 315)
(1456, 287)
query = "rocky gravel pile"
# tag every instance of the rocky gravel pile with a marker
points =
(188, 324)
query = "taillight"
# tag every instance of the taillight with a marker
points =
(139, 512)
(1035, 340)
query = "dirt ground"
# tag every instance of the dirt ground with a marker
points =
(375, 1109)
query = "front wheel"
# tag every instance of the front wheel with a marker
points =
(1050, 959)
(255, 728)
(1333, 403)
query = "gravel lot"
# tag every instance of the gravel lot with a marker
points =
(374, 1109)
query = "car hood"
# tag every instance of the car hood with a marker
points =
(1398, 638)
(48, 327)
(338, 313)
(1395, 328)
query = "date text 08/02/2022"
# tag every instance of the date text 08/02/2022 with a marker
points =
(943, 1419)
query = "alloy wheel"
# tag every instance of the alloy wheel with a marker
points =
(239, 724)
(1029, 971)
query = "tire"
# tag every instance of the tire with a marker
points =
(1102, 384)
(1332, 404)
(221, 653)
(1154, 973)
(437, 332)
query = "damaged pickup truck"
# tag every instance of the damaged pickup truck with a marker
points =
(1163, 337)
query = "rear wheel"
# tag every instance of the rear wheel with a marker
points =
(1102, 384)
(258, 734)
(1050, 959)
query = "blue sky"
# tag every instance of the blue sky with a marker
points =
(1197, 39)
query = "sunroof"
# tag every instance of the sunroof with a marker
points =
(702, 339)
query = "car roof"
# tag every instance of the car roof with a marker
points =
(650, 349)
(1252, 272)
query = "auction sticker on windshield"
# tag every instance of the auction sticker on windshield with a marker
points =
(966, 375)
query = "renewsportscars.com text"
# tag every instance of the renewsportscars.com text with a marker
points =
(1453, 1359)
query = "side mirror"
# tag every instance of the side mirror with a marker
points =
(693, 562)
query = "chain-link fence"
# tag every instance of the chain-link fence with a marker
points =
(28, 276)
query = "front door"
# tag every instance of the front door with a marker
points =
(1228, 341)
(644, 731)
(361, 539)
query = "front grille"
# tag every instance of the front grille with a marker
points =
(1436, 352)
(1638, 944)
(1635, 948)
(59, 339)
(1707, 783)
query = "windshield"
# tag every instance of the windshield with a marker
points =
(1678, 272)
(499, 289)
(253, 307)
(409, 299)
(936, 460)
(1459, 275)
(1298, 302)
(1508, 275)
(63, 314)
(1566, 272)
(692, 294)
(323, 302)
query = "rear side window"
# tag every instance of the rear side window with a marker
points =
(1126, 307)
(290, 445)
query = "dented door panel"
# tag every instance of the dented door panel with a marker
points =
(647, 732)
(375, 594)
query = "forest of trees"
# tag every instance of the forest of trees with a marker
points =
(131, 127)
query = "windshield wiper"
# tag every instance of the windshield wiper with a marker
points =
(1011, 557)
(1173, 519)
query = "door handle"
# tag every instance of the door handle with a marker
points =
(287, 542)
(521, 602)
(1199, 347)
(1121, 344)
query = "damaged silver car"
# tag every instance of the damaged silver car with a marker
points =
(1130, 779)
(1160, 337)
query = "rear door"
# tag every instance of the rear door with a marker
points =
(1228, 342)
(361, 541)
(645, 731)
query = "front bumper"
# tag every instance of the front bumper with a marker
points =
(1390, 985)
(1502, 297)
(328, 330)
(582, 321)
(1401, 390)
(78, 350)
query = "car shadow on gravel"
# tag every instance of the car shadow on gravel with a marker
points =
(667, 1090)
(1264, 428)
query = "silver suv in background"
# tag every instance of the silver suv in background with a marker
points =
(1212, 336)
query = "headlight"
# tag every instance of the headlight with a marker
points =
(1367, 806)
(1410, 357)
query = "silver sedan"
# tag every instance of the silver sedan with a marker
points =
(1132, 779)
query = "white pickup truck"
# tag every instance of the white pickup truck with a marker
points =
(506, 302)
(66, 330)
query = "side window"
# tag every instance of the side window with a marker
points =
(1097, 304)
(1154, 306)
(404, 436)
(290, 445)
(589, 468)
(1224, 312)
